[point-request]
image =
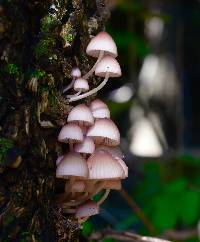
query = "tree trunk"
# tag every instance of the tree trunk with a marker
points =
(40, 43)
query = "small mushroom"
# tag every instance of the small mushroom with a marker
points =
(101, 44)
(70, 133)
(103, 166)
(104, 132)
(107, 67)
(99, 109)
(73, 166)
(80, 85)
(75, 73)
(81, 115)
(86, 147)
(86, 210)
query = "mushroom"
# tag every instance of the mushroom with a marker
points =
(99, 109)
(70, 133)
(75, 73)
(107, 67)
(81, 115)
(84, 211)
(101, 44)
(103, 166)
(86, 147)
(104, 132)
(80, 85)
(73, 166)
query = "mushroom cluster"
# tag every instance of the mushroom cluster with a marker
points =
(94, 161)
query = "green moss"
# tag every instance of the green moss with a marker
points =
(12, 69)
(46, 23)
(44, 46)
(38, 74)
(5, 145)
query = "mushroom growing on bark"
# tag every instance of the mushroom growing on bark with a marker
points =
(86, 210)
(107, 67)
(104, 132)
(70, 133)
(81, 115)
(103, 166)
(80, 85)
(73, 166)
(86, 147)
(100, 45)
(75, 73)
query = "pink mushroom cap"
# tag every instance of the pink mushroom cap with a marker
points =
(104, 132)
(81, 114)
(86, 147)
(114, 151)
(70, 132)
(96, 104)
(108, 65)
(75, 73)
(87, 209)
(72, 165)
(81, 85)
(102, 42)
(103, 166)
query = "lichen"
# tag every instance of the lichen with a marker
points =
(68, 34)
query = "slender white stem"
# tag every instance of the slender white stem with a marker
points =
(69, 86)
(101, 54)
(74, 95)
(91, 92)
(103, 198)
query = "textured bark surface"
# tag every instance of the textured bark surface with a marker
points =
(40, 42)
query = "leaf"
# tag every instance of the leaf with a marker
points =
(165, 213)
(189, 207)
(87, 228)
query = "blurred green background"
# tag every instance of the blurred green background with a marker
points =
(156, 107)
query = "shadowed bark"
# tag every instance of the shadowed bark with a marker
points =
(40, 42)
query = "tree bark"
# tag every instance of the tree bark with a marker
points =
(40, 43)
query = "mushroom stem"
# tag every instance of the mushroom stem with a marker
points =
(69, 86)
(103, 198)
(101, 54)
(93, 91)
(74, 95)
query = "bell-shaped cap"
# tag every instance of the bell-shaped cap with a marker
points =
(87, 209)
(99, 109)
(72, 165)
(59, 159)
(81, 85)
(103, 166)
(101, 113)
(81, 114)
(75, 73)
(96, 104)
(102, 42)
(104, 132)
(115, 151)
(78, 186)
(70, 132)
(86, 147)
(108, 65)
